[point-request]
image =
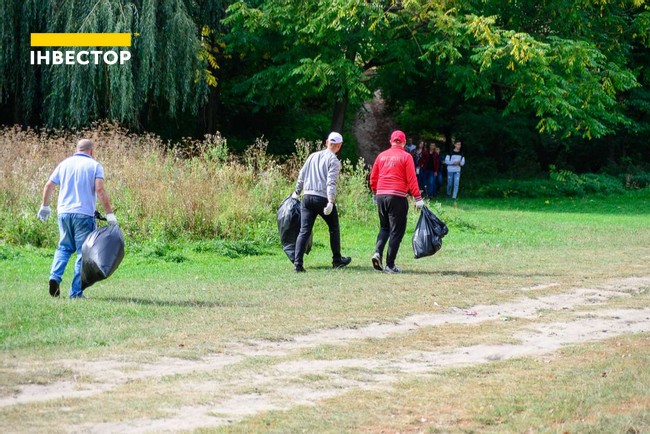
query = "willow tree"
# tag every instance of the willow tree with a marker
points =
(166, 75)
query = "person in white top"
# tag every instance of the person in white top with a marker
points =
(80, 179)
(454, 161)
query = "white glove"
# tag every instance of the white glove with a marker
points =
(419, 203)
(111, 219)
(328, 209)
(374, 199)
(294, 195)
(44, 212)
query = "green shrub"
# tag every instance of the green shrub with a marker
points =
(25, 229)
(353, 195)
(194, 190)
(232, 249)
(161, 250)
(636, 181)
(601, 184)
(503, 188)
(560, 183)
(7, 252)
(199, 191)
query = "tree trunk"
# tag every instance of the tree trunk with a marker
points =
(449, 142)
(338, 116)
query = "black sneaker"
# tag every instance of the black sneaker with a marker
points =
(299, 269)
(392, 269)
(54, 288)
(376, 262)
(345, 260)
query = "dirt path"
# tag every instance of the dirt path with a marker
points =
(290, 380)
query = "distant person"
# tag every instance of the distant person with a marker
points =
(426, 172)
(81, 181)
(410, 148)
(391, 178)
(438, 175)
(454, 161)
(318, 179)
(419, 159)
(433, 167)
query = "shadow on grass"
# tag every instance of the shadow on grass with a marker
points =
(409, 271)
(486, 273)
(173, 303)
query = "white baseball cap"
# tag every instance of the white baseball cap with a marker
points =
(335, 138)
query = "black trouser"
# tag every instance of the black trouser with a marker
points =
(393, 211)
(312, 206)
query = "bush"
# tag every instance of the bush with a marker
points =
(560, 183)
(636, 181)
(353, 195)
(503, 188)
(601, 184)
(8, 253)
(26, 229)
(193, 190)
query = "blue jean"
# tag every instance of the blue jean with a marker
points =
(73, 230)
(421, 180)
(428, 180)
(453, 180)
(437, 183)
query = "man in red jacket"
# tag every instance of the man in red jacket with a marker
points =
(391, 178)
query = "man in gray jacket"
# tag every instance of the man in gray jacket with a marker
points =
(317, 179)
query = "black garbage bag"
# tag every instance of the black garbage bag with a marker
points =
(429, 231)
(101, 254)
(288, 217)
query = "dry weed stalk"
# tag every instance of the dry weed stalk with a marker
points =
(195, 188)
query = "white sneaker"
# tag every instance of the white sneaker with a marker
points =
(376, 262)
(392, 270)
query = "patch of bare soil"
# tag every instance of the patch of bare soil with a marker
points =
(302, 381)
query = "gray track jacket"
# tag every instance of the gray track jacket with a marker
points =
(319, 174)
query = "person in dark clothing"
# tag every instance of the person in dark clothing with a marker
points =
(391, 178)
(318, 178)
(438, 174)
(419, 158)
(426, 173)
(432, 171)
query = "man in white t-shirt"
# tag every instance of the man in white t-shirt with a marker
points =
(81, 182)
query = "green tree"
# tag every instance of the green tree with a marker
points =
(297, 51)
(491, 70)
(569, 77)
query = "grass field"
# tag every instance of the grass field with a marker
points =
(481, 337)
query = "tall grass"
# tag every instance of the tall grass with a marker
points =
(195, 189)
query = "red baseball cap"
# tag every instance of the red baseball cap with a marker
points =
(398, 136)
